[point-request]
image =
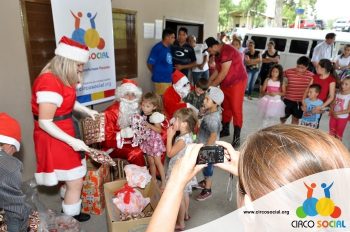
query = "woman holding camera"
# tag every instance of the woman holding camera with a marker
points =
(270, 158)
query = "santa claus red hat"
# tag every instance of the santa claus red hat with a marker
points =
(10, 131)
(73, 50)
(128, 86)
(177, 75)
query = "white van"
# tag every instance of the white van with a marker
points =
(293, 43)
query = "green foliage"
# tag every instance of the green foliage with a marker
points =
(226, 6)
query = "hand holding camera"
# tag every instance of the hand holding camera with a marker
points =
(211, 154)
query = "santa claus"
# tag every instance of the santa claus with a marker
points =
(174, 94)
(118, 132)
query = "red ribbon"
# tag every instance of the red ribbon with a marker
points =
(127, 190)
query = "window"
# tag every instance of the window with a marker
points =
(280, 44)
(244, 44)
(260, 42)
(125, 43)
(39, 34)
(298, 46)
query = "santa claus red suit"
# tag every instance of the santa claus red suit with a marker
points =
(118, 133)
(174, 94)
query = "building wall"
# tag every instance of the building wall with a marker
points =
(15, 89)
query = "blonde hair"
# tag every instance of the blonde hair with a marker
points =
(155, 100)
(187, 115)
(65, 69)
(278, 155)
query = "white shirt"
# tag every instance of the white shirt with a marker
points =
(341, 103)
(198, 50)
(343, 61)
(322, 51)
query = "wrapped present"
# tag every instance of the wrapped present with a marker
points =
(114, 216)
(94, 130)
(129, 200)
(137, 176)
(101, 157)
(93, 199)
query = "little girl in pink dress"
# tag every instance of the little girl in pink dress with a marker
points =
(148, 128)
(271, 106)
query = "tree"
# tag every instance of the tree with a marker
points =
(287, 9)
(226, 6)
(253, 8)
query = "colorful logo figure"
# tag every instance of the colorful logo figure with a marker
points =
(90, 37)
(323, 206)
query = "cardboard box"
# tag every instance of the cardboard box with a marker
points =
(113, 214)
(93, 198)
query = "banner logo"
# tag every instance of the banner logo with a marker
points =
(89, 37)
(323, 206)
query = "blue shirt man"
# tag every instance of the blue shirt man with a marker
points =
(160, 62)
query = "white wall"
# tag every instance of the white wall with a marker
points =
(15, 89)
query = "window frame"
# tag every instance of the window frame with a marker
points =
(133, 75)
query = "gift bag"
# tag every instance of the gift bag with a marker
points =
(93, 199)
(94, 130)
(129, 200)
(137, 176)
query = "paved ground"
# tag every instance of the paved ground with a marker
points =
(201, 212)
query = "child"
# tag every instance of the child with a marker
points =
(271, 107)
(11, 195)
(196, 97)
(209, 132)
(201, 70)
(309, 118)
(153, 145)
(340, 109)
(185, 123)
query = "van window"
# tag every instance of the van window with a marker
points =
(299, 46)
(260, 42)
(244, 44)
(280, 44)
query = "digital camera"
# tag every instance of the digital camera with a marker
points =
(211, 155)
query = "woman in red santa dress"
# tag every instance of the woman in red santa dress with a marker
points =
(56, 148)
(118, 131)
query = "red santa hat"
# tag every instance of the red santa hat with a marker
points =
(73, 50)
(128, 86)
(179, 79)
(10, 131)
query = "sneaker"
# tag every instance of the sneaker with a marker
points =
(205, 194)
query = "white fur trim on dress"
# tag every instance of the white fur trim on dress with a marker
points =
(128, 88)
(11, 141)
(52, 178)
(49, 97)
(72, 53)
(71, 210)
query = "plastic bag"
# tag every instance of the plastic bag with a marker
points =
(48, 219)
(137, 176)
(129, 200)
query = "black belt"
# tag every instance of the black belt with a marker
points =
(57, 118)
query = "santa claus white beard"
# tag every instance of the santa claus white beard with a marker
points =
(183, 91)
(127, 109)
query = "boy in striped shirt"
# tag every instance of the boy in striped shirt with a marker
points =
(298, 79)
